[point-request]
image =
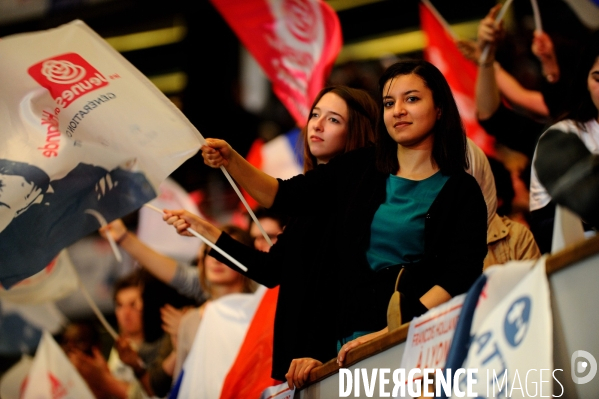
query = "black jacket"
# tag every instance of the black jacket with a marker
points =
(327, 289)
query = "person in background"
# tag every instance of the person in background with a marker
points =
(113, 378)
(216, 280)
(582, 120)
(414, 173)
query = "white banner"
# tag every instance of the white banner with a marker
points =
(52, 375)
(81, 129)
(430, 335)
(512, 340)
(281, 391)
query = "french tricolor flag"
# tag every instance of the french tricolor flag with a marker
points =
(281, 157)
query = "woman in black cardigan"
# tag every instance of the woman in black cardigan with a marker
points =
(407, 202)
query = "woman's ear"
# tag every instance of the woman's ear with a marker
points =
(439, 113)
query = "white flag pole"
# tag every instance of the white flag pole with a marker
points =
(205, 240)
(102, 221)
(485, 52)
(243, 201)
(95, 308)
(247, 206)
(537, 15)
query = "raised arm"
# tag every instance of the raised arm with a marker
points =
(259, 185)
(161, 266)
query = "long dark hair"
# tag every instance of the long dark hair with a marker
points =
(449, 148)
(362, 110)
(580, 106)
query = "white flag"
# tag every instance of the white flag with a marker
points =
(221, 332)
(52, 375)
(512, 340)
(81, 129)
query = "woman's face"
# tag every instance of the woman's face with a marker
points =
(593, 83)
(219, 273)
(327, 128)
(409, 111)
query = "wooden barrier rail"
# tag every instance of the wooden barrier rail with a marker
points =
(554, 263)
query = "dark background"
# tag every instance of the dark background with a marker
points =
(209, 55)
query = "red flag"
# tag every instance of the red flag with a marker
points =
(460, 73)
(250, 374)
(294, 41)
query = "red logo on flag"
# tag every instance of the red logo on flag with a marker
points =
(67, 77)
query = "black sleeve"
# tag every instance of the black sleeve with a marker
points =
(264, 268)
(465, 235)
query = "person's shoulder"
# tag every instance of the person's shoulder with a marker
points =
(357, 156)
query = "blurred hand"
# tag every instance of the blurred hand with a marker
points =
(127, 354)
(542, 46)
(489, 32)
(90, 367)
(216, 153)
(299, 371)
(116, 229)
(469, 49)
(171, 318)
(182, 220)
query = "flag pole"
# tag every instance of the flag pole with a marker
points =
(243, 201)
(537, 15)
(247, 206)
(95, 308)
(205, 240)
(103, 223)
(485, 52)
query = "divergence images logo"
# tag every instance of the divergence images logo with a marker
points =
(579, 367)
(67, 77)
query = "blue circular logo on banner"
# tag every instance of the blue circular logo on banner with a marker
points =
(515, 325)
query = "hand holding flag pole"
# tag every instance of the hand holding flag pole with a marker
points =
(206, 241)
(243, 201)
(500, 15)
(103, 223)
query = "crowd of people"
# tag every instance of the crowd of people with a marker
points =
(391, 187)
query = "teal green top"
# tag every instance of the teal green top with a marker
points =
(397, 230)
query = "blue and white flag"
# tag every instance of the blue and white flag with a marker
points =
(505, 333)
(82, 129)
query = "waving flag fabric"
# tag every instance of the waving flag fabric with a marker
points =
(460, 73)
(250, 373)
(281, 157)
(294, 41)
(52, 375)
(82, 129)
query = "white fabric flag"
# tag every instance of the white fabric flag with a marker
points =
(56, 281)
(11, 383)
(52, 375)
(221, 332)
(512, 340)
(81, 129)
